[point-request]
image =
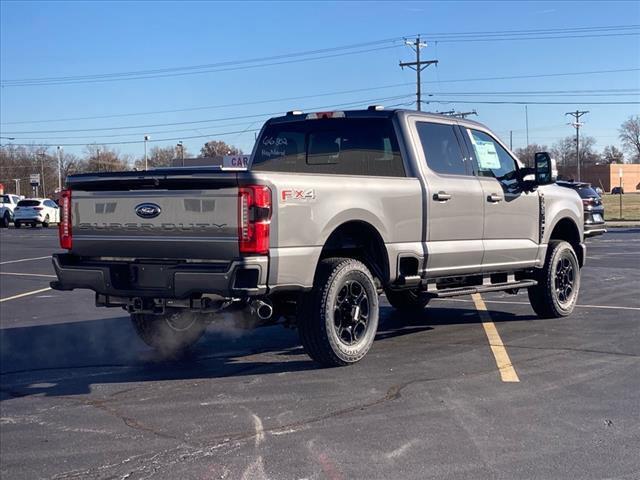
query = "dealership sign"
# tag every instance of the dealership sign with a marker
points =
(235, 162)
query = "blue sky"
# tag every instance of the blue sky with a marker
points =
(52, 39)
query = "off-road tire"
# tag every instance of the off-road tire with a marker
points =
(409, 301)
(546, 297)
(170, 333)
(317, 313)
(45, 222)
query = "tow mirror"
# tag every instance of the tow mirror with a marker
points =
(546, 171)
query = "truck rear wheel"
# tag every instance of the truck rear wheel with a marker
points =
(409, 301)
(338, 319)
(169, 333)
(556, 294)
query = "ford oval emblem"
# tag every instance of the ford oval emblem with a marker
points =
(148, 210)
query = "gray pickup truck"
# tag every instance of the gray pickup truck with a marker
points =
(335, 209)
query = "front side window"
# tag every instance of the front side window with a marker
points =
(441, 148)
(492, 159)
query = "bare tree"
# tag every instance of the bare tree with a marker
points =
(629, 134)
(527, 154)
(217, 147)
(611, 154)
(100, 158)
(564, 151)
(157, 157)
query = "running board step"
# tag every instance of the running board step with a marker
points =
(495, 287)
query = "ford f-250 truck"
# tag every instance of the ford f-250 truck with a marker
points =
(335, 209)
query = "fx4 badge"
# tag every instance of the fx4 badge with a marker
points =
(297, 194)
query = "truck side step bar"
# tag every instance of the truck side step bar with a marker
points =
(495, 287)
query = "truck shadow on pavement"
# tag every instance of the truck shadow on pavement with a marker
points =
(68, 358)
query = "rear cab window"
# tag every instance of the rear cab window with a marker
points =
(343, 146)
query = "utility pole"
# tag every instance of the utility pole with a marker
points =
(576, 123)
(526, 119)
(42, 156)
(418, 66)
(17, 180)
(59, 168)
(510, 139)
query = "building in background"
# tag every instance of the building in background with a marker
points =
(607, 176)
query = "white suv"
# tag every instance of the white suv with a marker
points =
(36, 210)
(7, 203)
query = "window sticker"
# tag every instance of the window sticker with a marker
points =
(486, 153)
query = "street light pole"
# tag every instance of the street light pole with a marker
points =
(146, 139)
(17, 180)
(181, 147)
(59, 168)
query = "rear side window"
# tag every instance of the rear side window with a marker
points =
(28, 203)
(347, 146)
(441, 148)
(5, 199)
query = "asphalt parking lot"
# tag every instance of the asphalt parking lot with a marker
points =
(82, 397)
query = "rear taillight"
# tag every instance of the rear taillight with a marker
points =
(64, 228)
(38, 208)
(254, 217)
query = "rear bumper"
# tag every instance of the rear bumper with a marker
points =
(593, 229)
(240, 278)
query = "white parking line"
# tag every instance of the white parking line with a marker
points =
(24, 260)
(505, 366)
(24, 294)
(606, 307)
(28, 274)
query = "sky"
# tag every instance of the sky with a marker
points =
(74, 39)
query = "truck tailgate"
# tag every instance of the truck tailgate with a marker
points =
(156, 215)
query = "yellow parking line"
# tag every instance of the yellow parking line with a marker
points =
(24, 294)
(505, 367)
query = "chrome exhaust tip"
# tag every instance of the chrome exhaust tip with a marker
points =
(262, 309)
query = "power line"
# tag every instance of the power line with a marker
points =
(179, 74)
(558, 74)
(538, 34)
(360, 102)
(531, 102)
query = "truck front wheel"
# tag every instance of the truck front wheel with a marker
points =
(338, 319)
(556, 294)
(169, 333)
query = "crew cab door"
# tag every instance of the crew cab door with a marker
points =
(453, 200)
(511, 215)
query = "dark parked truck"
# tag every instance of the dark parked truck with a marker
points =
(335, 209)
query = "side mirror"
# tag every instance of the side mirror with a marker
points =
(546, 171)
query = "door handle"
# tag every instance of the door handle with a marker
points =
(441, 196)
(494, 198)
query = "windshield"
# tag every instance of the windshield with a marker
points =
(29, 203)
